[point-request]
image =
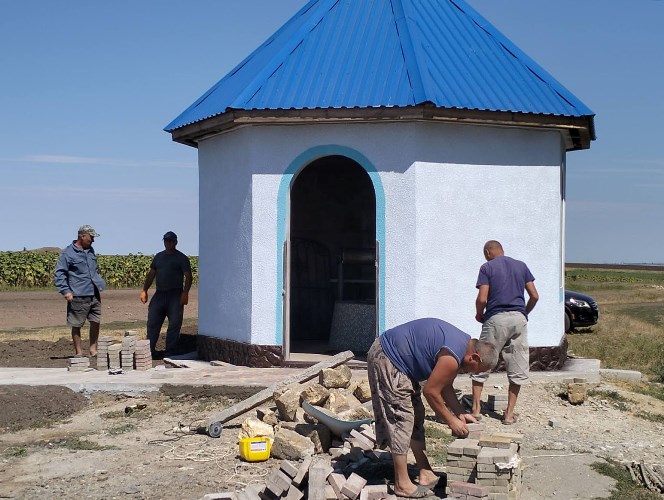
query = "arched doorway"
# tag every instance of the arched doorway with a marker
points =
(332, 272)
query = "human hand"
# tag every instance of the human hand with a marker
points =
(468, 418)
(144, 296)
(69, 296)
(458, 427)
(184, 298)
(479, 317)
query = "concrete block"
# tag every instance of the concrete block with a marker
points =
(494, 441)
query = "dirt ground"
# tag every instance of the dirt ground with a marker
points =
(55, 443)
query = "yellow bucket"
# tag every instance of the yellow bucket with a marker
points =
(255, 449)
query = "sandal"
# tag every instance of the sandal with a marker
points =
(509, 422)
(432, 485)
(420, 492)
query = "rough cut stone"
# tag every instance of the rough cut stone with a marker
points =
(253, 427)
(337, 402)
(335, 378)
(577, 393)
(289, 445)
(287, 403)
(362, 392)
(315, 394)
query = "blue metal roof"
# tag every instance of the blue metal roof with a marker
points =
(386, 53)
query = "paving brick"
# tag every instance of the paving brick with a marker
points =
(494, 441)
(318, 473)
(375, 492)
(288, 468)
(278, 482)
(353, 486)
(302, 472)
(337, 482)
(294, 493)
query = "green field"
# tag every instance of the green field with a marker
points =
(630, 332)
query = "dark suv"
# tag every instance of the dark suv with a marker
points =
(580, 310)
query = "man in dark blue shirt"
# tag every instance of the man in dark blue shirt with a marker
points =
(77, 279)
(503, 312)
(170, 267)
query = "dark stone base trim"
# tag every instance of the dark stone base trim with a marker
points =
(265, 356)
(239, 353)
(546, 358)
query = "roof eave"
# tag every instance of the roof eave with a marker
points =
(578, 132)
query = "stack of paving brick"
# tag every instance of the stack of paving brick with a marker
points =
(142, 355)
(499, 465)
(102, 351)
(78, 364)
(492, 462)
(128, 350)
(114, 356)
(497, 402)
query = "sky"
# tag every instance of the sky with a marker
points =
(86, 88)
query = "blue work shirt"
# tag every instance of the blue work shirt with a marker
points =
(507, 278)
(77, 272)
(414, 346)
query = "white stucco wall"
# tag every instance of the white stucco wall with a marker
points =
(447, 189)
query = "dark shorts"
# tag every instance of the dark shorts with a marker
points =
(83, 308)
(397, 403)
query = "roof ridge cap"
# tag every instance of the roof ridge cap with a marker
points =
(411, 56)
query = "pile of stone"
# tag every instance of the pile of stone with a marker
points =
(78, 364)
(488, 466)
(318, 464)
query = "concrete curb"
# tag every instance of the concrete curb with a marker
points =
(627, 375)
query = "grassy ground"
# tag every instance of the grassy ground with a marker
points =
(630, 332)
(115, 329)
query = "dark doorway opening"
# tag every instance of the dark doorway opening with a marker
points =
(332, 288)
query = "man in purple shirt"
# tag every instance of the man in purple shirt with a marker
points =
(503, 312)
(424, 349)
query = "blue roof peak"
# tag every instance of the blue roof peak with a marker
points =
(386, 53)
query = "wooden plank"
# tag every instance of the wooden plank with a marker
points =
(262, 396)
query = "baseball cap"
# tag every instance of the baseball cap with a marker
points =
(87, 229)
(170, 236)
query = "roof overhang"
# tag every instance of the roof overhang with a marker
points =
(577, 132)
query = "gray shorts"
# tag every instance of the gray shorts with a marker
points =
(397, 403)
(83, 308)
(508, 331)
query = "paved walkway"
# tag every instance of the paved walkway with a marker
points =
(200, 373)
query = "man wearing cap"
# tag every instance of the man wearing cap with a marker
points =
(170, 267)
(77, 279)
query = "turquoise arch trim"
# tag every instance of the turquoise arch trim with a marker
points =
(282, 219)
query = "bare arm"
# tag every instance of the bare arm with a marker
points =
(480, 302)
(439, 393)
(188, 279)
(533, 296)
(146, 285)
